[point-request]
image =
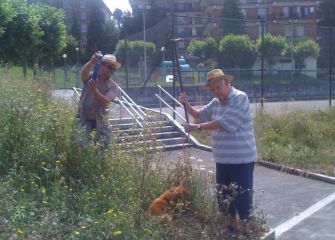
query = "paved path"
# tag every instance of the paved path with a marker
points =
(297, 207)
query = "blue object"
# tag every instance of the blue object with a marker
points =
(185, 68)
(97, 66)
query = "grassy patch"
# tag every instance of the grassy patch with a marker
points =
(52, 188)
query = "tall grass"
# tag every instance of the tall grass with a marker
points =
(302, 139)
(53, 188)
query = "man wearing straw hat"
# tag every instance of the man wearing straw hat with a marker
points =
(96, 95)
(229, 118)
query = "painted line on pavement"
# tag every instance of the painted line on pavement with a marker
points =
(284, 227)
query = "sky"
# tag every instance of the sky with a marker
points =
(121, 4)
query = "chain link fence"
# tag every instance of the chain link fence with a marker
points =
(271, 60)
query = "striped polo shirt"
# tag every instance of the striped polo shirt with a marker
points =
(235, 142)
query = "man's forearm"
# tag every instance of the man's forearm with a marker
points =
(191, 110)
(85, 71)
(100, 97)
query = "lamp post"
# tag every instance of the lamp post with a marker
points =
(292, 22)
(144, 7)
(65, 70)
(163, 49)
(77, 66)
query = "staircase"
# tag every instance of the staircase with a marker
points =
(167, 135)
(143, 126)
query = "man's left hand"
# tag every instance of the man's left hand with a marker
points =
(189, 127)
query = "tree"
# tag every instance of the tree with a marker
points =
(101, 34)
(232, 10)
(135, 51)
(20, 35)
(7, 13)
(206, 50)
(36, 31)
(110, 36)
(327, 10)
(236, 51)
(95, 29)
(303, 49)
(117, 15)
(53, 38)
(273, 47)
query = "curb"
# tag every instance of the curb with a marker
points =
(298, 172)
(270, 235)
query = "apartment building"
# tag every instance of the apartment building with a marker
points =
(291, 18)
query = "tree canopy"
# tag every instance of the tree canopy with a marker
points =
(237, 51)
(273, 47)
(232, 10)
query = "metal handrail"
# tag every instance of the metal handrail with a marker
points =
(76, 91)
(131, 104)
(170, 96)
(131, 100)
(131, 114)
(133, 108)
(166, 104)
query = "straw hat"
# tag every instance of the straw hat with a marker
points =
(217, 74)
(111, 59)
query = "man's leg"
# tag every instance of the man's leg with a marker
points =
(225, 193)
(242, 175)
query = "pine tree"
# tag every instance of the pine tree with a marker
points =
(232, 10)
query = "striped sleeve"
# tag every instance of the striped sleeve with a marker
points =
(236, 115)
(205, 112)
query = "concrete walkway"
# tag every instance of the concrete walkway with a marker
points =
(296, 207)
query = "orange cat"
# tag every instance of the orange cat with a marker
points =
(165, 202)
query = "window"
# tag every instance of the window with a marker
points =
(299, 12)
(82, 4)
(288, 31)
(194, 32)
(300, 31)
(244, 12)
(286, 12)
(83, 28)
(83, 15)
(261, 12)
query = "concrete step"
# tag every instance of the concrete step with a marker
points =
(159, 129)
(164, 142)
(124, 126)
(165, 147)
(158, 135)
(115, 121)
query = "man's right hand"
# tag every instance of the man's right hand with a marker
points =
(94, 58)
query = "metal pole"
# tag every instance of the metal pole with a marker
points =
(262, 66)
(292, 39)
(77, 70)
(179, 75)
(173, 71)
(330, 66)
(145, 47)
(126, 56)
